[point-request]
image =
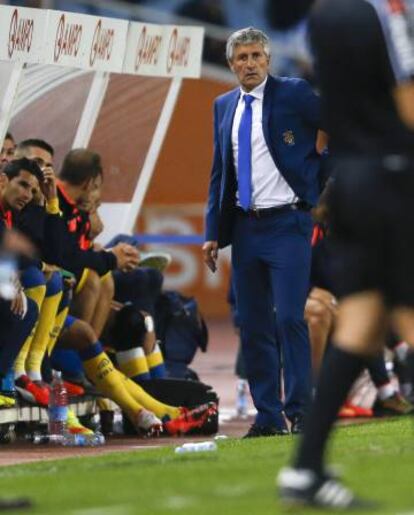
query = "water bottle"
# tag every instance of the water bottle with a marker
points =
(7, 384)
(196, 447)
(41, 439)
(242, 402)
(80, 440)
(68, 439)
(58, 406)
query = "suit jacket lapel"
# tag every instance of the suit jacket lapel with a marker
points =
(267, 109)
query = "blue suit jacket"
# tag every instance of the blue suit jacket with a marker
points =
(291, 118)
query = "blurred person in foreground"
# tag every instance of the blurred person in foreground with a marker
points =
(364, 52)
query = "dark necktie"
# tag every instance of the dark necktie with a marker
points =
(244, 161)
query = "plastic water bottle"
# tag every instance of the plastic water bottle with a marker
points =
(242, 401)
(79, 440)
(58, 406)
(68, 439)
(7, 384)
(41, 439)
(196, 447)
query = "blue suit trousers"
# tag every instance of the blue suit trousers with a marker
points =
(271, 258)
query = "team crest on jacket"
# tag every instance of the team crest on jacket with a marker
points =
(289, 138)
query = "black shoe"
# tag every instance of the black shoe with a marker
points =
(302, 487)
(297, 426)
(256, 431)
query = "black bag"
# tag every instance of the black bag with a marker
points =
(179, 392)
(182, 330)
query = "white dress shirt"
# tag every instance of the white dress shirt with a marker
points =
(269, 188)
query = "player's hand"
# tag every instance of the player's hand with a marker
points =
(18, 305)
(49, 269)
(210, 254)
(127, 256)
(48, 186)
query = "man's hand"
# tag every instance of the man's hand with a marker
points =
(48, 186)
(210, 254)
(326, 298)
(49, 269)
(18, 305)
(127, 256)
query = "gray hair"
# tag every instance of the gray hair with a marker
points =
(247, 36)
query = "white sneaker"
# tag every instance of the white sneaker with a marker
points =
(302, 487)
(148, 424)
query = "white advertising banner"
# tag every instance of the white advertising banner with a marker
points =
(143, 49)
(22, 33)
(183, 51)
(98, 43)
(84, 41)
(164, 50)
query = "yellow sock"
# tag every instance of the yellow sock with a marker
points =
(57, 327)
(37, 294)
(133, 364)
(139, 394)
(44, 328)
(101, 371)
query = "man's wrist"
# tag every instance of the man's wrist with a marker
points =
(52, 206)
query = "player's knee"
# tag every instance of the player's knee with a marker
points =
(54, 284)
(85, 334)
(93, 283)
(32, 277)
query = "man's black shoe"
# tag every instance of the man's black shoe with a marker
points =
(297, 426)
(302, 487)
(256, 431)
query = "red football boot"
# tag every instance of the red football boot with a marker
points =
(32, 392)
(189, 420)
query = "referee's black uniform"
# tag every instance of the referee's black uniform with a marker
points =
(372, 149)
(364, 50)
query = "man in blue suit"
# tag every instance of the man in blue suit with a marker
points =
(265, 178)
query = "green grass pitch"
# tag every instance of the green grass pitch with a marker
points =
(377, 461)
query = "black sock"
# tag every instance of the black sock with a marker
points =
(339, 371)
